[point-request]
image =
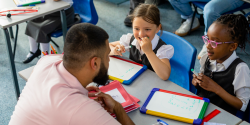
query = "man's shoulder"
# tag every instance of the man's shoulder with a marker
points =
(45, 60)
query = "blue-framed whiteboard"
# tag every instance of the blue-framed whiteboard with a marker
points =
(124, 71)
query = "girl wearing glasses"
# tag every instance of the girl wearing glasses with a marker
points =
(224, 77)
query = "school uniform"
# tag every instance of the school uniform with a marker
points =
(39, 28)
(160, 48)
(232, 75)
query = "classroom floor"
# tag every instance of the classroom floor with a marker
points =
(111, 17)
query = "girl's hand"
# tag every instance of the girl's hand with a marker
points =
(208, 84)
(146, 45)
(195, 80)
(116, 51)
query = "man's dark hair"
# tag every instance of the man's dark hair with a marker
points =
(83, 42)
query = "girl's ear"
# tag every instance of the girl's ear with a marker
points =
(233, 46)
(158, 28)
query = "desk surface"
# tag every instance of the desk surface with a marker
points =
(244, 123)
(141, 88)
(248, 1)
(44, 8)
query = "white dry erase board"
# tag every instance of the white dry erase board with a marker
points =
(124, 71)
(176, 106)
(21, 3)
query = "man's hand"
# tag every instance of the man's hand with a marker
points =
(92, 88)
(95, 90)
(109, 103)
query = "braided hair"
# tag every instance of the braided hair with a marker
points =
(238, 28)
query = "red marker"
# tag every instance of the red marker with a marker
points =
(210, 116)
(51, 52)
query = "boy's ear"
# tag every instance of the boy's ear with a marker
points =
(95, 63)
(233, 46)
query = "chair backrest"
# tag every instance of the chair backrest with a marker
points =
(182, 61)
(244, 115)
(86, 10)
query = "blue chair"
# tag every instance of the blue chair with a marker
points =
(244, 115)
(201, 5)
(182, 61)
(85, 13)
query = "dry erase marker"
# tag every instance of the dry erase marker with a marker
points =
(97, 93)
(160, 122)
(43, 53)
(53, 49)
(194, 72)
(56, 51)
(127, 47)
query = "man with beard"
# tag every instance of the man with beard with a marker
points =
(56, 92)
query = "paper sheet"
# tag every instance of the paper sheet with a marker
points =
(116, 95)
(212, 123)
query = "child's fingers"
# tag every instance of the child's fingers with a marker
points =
(201, 74)
(140, 42)
(118, 51)
(198, 81)
(194, 82)
(194, 76)
(202, 85)
(122, 48)
(145, 39)
(199, 77)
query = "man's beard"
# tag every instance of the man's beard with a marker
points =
(102, 76)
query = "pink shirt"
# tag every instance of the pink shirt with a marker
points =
(52, 96)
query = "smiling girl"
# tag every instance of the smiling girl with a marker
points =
(146, 46)
(224, 77)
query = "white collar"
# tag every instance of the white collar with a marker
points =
(154, 43)
(228, 61)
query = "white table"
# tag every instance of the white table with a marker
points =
(141, 88)
(45, 8)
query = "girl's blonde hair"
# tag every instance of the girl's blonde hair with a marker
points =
(148, 12)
